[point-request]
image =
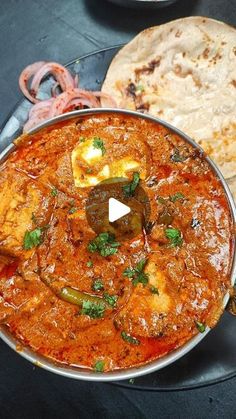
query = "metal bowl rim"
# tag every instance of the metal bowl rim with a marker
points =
(171, 357)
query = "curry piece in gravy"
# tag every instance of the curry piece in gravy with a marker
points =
(88, 300)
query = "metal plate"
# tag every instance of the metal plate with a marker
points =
(214, 359)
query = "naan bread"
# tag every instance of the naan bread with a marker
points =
(183, 72)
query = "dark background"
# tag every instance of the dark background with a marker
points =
(61, 30)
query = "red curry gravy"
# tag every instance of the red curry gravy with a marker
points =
(148, 297)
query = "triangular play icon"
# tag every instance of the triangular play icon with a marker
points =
(117, 210)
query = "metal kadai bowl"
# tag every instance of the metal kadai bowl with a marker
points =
(86, 374)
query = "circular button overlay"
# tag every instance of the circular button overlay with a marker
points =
(112, 198)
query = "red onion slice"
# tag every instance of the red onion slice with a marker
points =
(63, 101)
(60, 73)
(44, 105)
(25, 75)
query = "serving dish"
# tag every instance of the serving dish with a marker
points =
(182, 376)
(166, 359)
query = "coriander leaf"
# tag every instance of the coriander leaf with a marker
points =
(177, 157)
(89, 264)
(129, 189)
(200, 326)
(89, 170)
(137, 273)
(129, 338)
(93, 310)
(141, 277)
(176, 197)
(154, 290)
(108, 251)
(141, 265)
(99, 366)
(32, 238)
(98, 143)
(161, 200)
(97, 285)
(54, 192)
(110, 299)
(104, 244)
(129, 272)
(92, 247)
(82, 139)
(174, 235)
(72, 210)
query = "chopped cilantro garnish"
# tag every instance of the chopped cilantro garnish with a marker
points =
(110, 299)
(200, 326)
(54, 192)
(177, 157)
(89, 170)
(174, 235)
(97, 285)
(89, 264)
(137, 274)
(82, 139)
(104, 244)
(99, 366)
(93, 310)
(176, 197)
(129, 272)
(72, 210)
(129, 189)
(98, 143)
(32, 238)
(161, 200)
(129, 338)
(154, 290)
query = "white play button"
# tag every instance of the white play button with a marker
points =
(117, 210)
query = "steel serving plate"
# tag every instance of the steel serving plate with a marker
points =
(86, 374)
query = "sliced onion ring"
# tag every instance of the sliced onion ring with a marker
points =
(25, 75)
(38, 107)
(63, 101)
(60, 74)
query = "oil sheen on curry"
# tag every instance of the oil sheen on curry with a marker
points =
(87, 299)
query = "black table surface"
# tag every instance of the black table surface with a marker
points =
(61, 30)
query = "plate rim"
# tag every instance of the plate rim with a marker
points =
(208, 383)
